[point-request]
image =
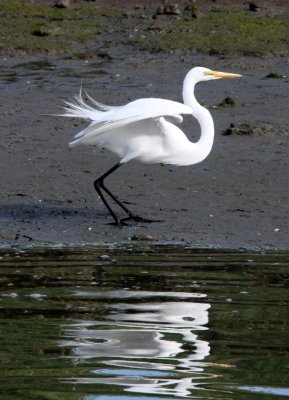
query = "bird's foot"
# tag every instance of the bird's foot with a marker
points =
(124, 221)
(136, 218)
(119, 223)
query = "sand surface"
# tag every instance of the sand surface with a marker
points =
(237, 198)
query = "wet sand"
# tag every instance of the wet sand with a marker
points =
(237, 198)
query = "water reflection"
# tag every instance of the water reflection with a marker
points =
(150, 347)
(143, 326)
(266, 390)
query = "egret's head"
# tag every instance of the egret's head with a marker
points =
(204, 74)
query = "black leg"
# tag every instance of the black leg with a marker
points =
(98, 189)
(99, 186)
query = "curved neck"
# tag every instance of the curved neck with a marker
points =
(203, 116)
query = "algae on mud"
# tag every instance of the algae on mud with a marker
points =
(219, 32)
(34, 28)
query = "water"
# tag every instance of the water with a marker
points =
(146, 323)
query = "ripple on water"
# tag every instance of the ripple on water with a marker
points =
(77, 326)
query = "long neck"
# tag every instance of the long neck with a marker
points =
(205, 143)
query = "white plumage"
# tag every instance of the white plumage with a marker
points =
(145, 130)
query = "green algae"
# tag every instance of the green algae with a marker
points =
(32, 28)
(219, 32)
(274, 75)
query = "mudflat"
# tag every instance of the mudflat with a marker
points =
(237, 198)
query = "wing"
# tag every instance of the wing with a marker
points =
(152, 140)
(105, 118)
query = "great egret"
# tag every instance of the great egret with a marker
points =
(144, 130)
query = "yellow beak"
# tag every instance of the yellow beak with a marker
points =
(218, 74)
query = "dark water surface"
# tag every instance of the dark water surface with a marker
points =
(146, 323)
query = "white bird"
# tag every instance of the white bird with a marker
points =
(145, 130)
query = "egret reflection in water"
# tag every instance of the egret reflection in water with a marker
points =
(143, 326)
(149, 347)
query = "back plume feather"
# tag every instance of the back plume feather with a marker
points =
(80, 109)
